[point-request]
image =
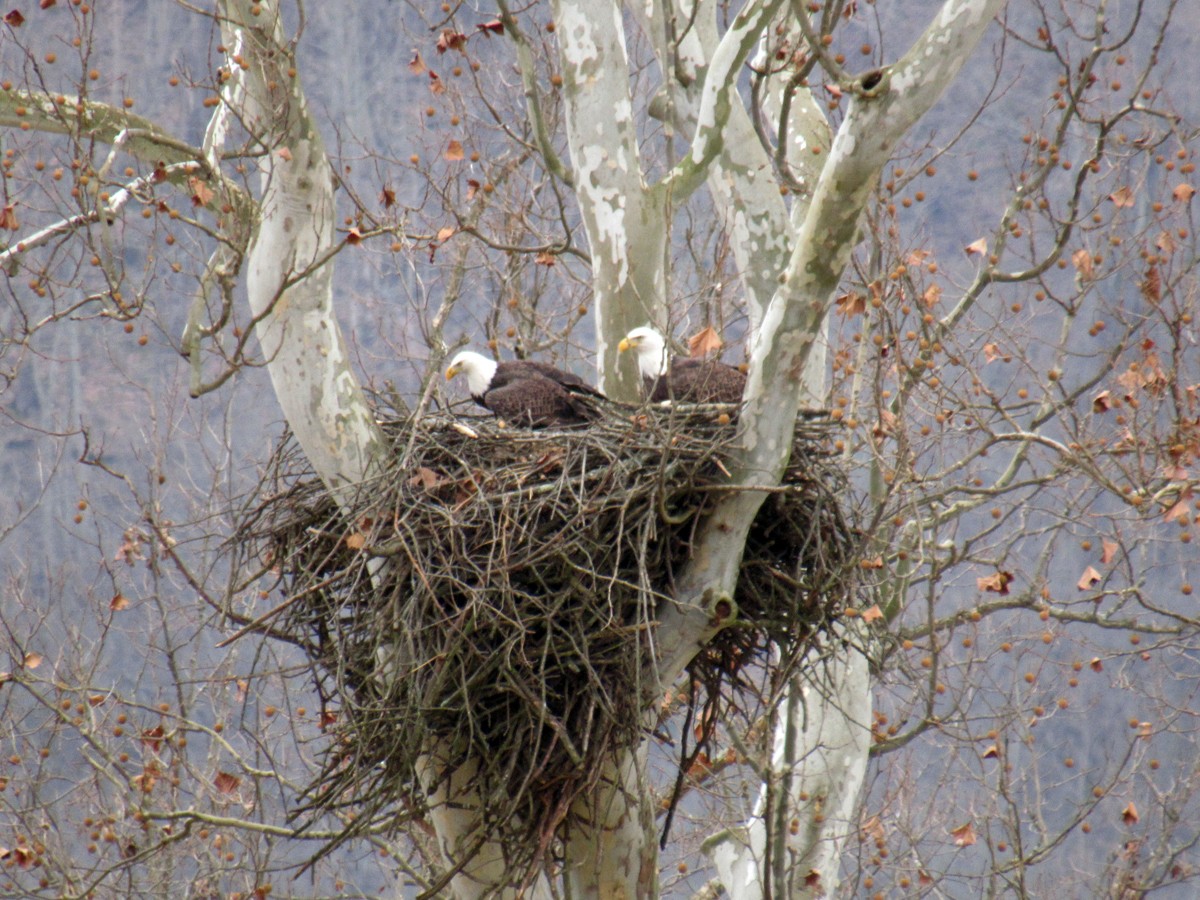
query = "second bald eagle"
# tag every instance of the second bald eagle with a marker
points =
(524, 392)
(684, 378)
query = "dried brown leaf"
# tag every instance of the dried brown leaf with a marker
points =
(1082, 261)
(1089, 578)
(964, 835)
(700, 766)
(451, 40)
(704, 342)
(426, 478)
(153, 737)
(992, 352)
(202, 194)
(996, 583)
(1180, 510)
(1122, 196)
(872, 829)
(851, 304)
(1152, 285)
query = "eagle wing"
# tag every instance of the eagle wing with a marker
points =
(568, 380)
(530, 399)
(700, 381)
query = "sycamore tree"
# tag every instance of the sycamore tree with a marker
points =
(996, 300)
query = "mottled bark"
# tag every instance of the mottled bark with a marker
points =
(288, 265)
(626, 224)
(883, 107)
(792, 844)
(740, 176)
(611, 849)
(791, 266)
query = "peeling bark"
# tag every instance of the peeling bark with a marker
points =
(877, 119)
(626, 224)
(791, 270)
(882, 109)
(821, 743)
(288, 273)
(739, 178)
(611, 852)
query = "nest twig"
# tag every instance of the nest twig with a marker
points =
(493, 590)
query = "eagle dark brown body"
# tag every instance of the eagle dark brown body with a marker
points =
(525, 393)
(684, 379)
(697, 381)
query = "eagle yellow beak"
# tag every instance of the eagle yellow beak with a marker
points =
(452, 371)
(624, 345)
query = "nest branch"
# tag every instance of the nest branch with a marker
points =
(494, 589)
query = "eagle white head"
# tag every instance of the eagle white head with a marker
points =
(478, 368)
(651, 350)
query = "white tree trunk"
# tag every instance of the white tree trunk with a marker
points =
(482, 865)
(832, 756)
(289, 263)
(611, 851)
(625, 223)
(289, 283)
(798, 275)
(821, 743)
(740, 178)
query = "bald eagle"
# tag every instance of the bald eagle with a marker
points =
(524, 392)
(686, 379)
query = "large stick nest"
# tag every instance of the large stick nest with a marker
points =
(496, 590)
